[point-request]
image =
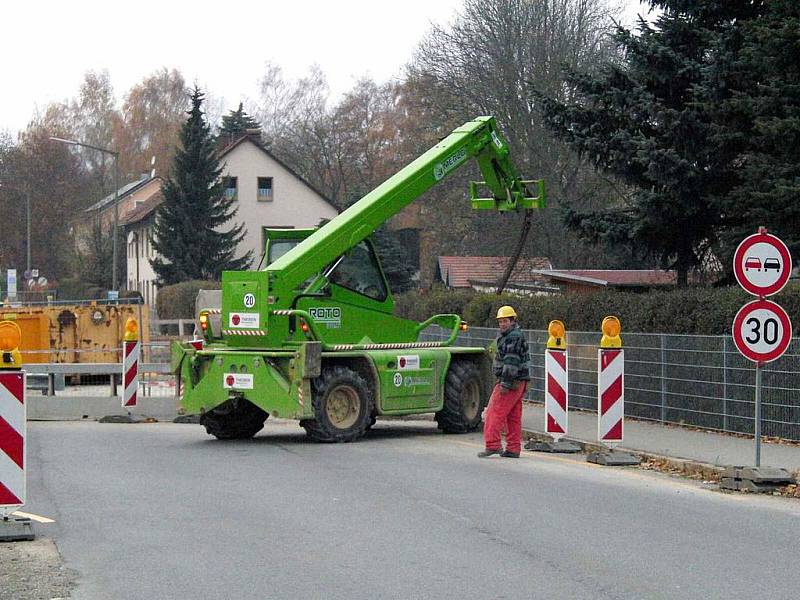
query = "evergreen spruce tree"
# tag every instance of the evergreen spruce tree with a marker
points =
(753, 99)
(234, 124)
(643, 120)
(188, 231)
(394, 259)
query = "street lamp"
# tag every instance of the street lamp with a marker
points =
(115, 154)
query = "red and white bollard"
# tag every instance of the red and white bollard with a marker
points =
(555, 393)
(611, 396)
(13, 429)
(130, 364)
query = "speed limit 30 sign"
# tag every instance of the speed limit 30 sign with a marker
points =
(762, 331)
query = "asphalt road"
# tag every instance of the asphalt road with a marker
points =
(162, 511)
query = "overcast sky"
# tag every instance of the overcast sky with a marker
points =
(48, 45)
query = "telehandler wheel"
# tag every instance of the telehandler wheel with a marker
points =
(236, 419)
(342, 406)
(464, 398)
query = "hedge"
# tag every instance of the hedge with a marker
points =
(177, 301)
(694, 310)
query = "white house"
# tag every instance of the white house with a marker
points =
(265, 191)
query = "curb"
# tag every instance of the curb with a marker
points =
(684, 466)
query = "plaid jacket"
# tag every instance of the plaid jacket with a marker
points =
(512, 361)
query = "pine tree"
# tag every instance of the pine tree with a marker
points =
(394, 259)
(642, 119)
(188, 227)
(235, 124)
(753, 99)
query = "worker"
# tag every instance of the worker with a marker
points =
(511, 368)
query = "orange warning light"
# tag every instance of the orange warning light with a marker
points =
(611, 328)
(10, 336)
(131, 330)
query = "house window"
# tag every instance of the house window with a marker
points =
(229, 185)
(265, 189)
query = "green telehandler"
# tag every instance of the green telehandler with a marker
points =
(311, 336)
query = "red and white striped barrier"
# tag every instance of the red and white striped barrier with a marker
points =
(555, 395)
(130, 373)
(12, 440)
(610, 394)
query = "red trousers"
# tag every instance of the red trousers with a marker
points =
(505, 413)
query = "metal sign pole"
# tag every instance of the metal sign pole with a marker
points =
(758, 414)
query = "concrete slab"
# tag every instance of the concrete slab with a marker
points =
(613, 459)
(554, 447)
(192, 419)
(14, 529)
(132, 419)
(755, 479)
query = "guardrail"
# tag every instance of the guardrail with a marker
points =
(110, 369)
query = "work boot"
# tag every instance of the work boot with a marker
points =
(487, 453)
(509, 454)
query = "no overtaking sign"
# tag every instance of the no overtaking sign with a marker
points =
(761, 329)
(762, 264)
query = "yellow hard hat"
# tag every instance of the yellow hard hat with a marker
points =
(506, 312)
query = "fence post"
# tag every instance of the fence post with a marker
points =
(725, 383)
(663, 379)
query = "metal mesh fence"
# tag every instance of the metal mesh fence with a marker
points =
(693, 380)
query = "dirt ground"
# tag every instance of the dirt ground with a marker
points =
(33, 571)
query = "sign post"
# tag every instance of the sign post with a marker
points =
(761, 329)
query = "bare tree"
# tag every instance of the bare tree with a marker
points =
(482, 64)
(152, 115)
(92, 116)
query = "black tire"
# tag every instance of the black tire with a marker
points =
(236, 419)
(464, 398)
(342, 406)
(372, 420)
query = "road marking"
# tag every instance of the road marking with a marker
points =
(36, 518)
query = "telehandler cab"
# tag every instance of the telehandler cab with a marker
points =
(312, 337)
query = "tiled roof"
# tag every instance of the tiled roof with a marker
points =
(128, 188)
(612, 277)
(143, 210)
(459, 271)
